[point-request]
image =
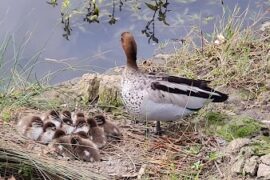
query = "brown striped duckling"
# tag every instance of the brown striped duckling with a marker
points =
(61, 144)
(30, 126)
(85, 149)
(66, 114)
(96, 133)
(75, 116)
(67, 125)
(54, 117)
(49, 129)
(59, 133)
(112, 132)
(81, 125)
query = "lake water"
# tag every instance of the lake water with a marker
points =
(35, 26)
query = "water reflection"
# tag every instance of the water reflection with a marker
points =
(95, 47)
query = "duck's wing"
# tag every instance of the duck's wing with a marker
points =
(188, 93)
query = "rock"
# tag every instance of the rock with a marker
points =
(235, 145)
(265, 159)
(87, 87)
(109, 91)
(266, 122)
(251, 165)
(263, 171)
(237, 167)
(246, 151)
(83, 89)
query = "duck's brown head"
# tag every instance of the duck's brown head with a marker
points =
(36, 121)
(130, 47)
(80, 122)
(68, 121)
(66, 114)
(100, 119)
(80, 115)
(92, 122)
(59, 133)
(54, 114)
(49, 125)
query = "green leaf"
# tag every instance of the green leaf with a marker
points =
(96, 11)
(151, 6)
(65, 4)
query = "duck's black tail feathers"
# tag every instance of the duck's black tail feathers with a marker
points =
(202, 90)
(221, 98)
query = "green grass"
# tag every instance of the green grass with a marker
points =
(240, 63)
(239, 128)
(230, 127)
(261, 146)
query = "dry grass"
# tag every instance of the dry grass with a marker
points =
(26, 159)
(240, 63)
(180, 153)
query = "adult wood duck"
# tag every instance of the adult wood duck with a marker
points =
(161, 97)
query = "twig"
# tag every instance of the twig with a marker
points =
(202, 41)
(219, 171)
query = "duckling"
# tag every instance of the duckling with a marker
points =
(111, 130)
(85, 149)
(81, 125)
(66, 114)
(61, 144)
(59, 133)
(80, 115)
(76, 116)
(96, 133)
(54, 117)
(30, 126)
(67, 125)
(49, 129)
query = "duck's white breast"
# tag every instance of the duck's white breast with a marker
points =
(69, 129)
(35, 133)
(132, 94)
(47, 137)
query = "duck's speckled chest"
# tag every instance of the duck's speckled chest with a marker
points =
(133, 87)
